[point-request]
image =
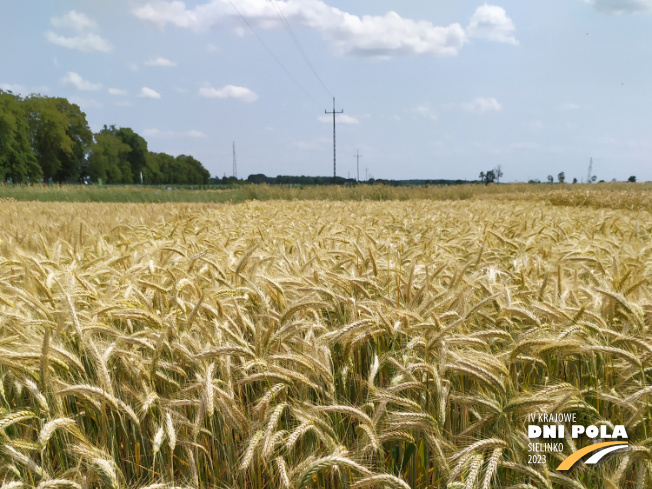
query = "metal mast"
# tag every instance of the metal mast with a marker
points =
(334, 152)
(235, 165)
(588, 178)
(357, 163)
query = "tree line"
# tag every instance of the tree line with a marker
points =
(47, 139)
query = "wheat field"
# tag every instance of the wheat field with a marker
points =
(305, 344)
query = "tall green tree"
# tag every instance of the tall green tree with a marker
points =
(108, 158)
(73, 164)
(194, 171)
(17, 160)
(48, 135)
(60, 136)
(137, 156)
(153, 172)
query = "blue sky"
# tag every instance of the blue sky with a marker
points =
(438, 89)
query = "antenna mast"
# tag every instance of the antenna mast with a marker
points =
(588, 178)
(357, 163)
(235, 164)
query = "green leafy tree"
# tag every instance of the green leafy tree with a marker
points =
(73, 163)
(17, 160)
(48, 134)
(137, 156)
(153, 173)
(193, 170)
(108, 158)
(561, 177)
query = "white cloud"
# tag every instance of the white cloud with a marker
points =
(229, 91)
(318, 144)
(74, 20)
(147, 92)
(618, 7)
(491, 22)
(425, 111)
(160, 61)
(212, 48)
(569, 106)
(482, 105)
(376, 36)
(193, 133)
(148, 133)
(84, 42)
(339, 118)
(78, 82)
(12, 87)
(117, 91)
(85, 103)
(535, 126)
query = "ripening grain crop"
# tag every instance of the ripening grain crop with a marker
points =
(319, 344)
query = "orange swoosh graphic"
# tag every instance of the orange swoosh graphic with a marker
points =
(574, 457)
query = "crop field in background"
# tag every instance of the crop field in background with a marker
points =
(613, 195)
(323, 343)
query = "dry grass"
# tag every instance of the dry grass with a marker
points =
(319, 344)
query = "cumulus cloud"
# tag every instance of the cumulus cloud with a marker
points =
(619, 7)
(149, 133)
(491, 22)
(147, 92)
(482, 105)
(160, 61)
(78, 82)
(229, 91)
(117, 91)
(369, 35)
(194, 133)
(425, 111)
(12, 87)
(340, 118)
(85, 42)
(84, 39)
(74, 20)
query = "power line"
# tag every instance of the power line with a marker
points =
(334, 158)
(271, 53)
(288, 28)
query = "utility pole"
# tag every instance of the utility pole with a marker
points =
(365, 174)
(334, 157)
(357, 163)
(235, 165)
(588, 179)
